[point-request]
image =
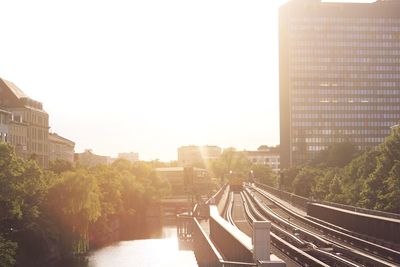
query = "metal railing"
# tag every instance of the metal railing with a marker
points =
(301, 202)
(297, 201)
(362, 210)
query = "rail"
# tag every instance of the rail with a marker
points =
(217, 196)
(364, 245)
(293, 252)
(191, 232)
(296, 200)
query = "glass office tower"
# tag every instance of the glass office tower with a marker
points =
(339, 75)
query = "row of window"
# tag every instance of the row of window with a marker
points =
(345, 116)
(36, 133)
(345, 27)
(335, 99)
(343, 36)
(322, 43)
(340, 107)
(328, 140)
(341, 83)
(344, 123)
(37, 147)
(340, 75)
(360, 131)
(351, 20)
(379, 96)
(334, 67)
(345, 51)
(348, 60)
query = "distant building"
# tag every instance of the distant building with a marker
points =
(88, 158)
(175, 177)
(197, 155)
(265, 155)
(28, 127)
(132, 156)
(60, 148)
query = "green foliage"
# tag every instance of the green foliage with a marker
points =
(54, 213)
(323, 183)
(22, 190)
(337, 155)
(264, 174)
(59, 166)
(231, 162)
(7, 252)
(287, 177)
(76, 199)
(370, 180)
(355, 174)
(305, 181)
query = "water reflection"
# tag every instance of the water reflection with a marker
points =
(156, 244)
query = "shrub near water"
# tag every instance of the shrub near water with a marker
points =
(46, 216)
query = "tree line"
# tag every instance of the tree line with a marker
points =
(341, 174)
(235, 164)
(55, 214)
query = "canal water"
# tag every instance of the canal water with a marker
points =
(157, 246)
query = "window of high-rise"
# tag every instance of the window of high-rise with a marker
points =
(339, 75)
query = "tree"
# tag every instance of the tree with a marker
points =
(231, 162)
(305, 181)
(336, 155)
(7, 252)
(392, 197)
(287, 177)
(375, 190)
(75, 201)
(322, 184)
(355, 174)
(22, 190)
(264, 174)
(59, 166)
(335, 191)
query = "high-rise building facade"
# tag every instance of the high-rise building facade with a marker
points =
(339, 75)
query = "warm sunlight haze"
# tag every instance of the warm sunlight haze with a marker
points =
(148, 76)
(179, 133)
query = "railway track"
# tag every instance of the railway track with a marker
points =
(355, 249)
(279, 247)
(324, 256)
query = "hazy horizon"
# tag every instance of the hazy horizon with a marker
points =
(148, 77)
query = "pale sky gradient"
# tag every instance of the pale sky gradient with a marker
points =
(148, 76)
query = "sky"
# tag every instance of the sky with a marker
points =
(148, 76)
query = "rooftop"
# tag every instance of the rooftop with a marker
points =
(57, 138)
(14, 89)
